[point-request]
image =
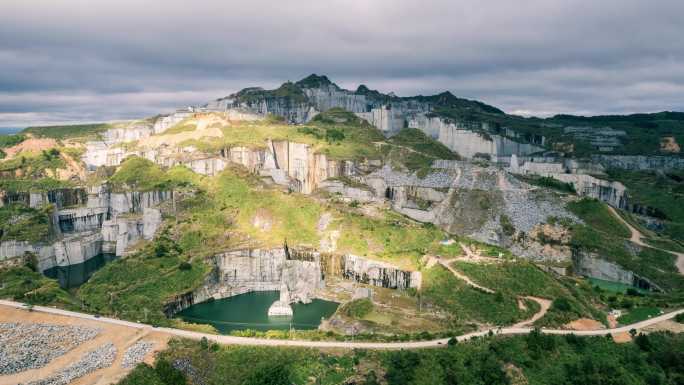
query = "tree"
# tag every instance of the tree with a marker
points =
(168, 374)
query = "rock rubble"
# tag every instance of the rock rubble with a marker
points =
(99, 358)
(136, 353)
(31, 346)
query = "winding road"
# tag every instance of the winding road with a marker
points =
(636, 239)
(232, 340)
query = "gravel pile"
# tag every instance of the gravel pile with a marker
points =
(99, 358)
(185, 366)
(529, 208)
(136, 353)
(30, 346)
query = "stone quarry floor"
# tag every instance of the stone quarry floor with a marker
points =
(122, 337)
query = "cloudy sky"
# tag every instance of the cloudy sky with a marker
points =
(96, 60)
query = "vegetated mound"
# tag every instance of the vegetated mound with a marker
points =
(30, 145)
(68, 131)
(416, 151)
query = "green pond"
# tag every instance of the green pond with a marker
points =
(250, 311)
(76, 275)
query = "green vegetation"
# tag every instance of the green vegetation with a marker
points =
(519, 278)
(417, 151)
(140, 174)
(655, 265)
(597, 215)
(9, 141)
(69, 131)
(660, 194)
(535, 359)
(358, 308)
(638, 314)
(137, 287)
(33, 165)
(33, 185)
(337, 133)
(21, 223)
(25, 285)
(549, 182)
(466, 304)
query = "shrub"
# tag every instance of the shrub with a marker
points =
(358, 308)
(168, 374)
(561, 304)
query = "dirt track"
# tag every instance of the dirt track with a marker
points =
(636, 237)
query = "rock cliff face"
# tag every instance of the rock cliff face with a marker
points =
(98, 226)
(640, 162)
(592, 265)
(468, 199)
(299, 102)
(470, 139)
(612, 192)
(297, 274)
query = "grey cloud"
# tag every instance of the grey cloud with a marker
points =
(79, 60)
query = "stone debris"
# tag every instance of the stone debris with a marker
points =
(136, 353)
(99, 358)
(26, 346)
(185, 366)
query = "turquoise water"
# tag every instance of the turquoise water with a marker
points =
(250, 311)
(76, 275)
(614, 286)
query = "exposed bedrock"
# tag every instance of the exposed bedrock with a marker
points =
(592, 265)
(612, 192)
(70, 250)
(96, 227)
(468, 199)
(65, 197)
(640, 162)
(298, 274)
(469, 139)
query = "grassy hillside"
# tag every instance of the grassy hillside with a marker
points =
(137, 287)
(25, 285)
(521, 278)
(336, 133)
(68, 131)
(21, 223)
(604, 235)
(663, 192)
(415, 150)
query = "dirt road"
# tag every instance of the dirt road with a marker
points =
(636, 237)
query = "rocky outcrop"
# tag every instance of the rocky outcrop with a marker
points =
(121, 232)
(371, 272)
(468, 199)
(107, 223)
(572, 172)
(469, 139)
(592, 265)
(297, 274)
(640, 162)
